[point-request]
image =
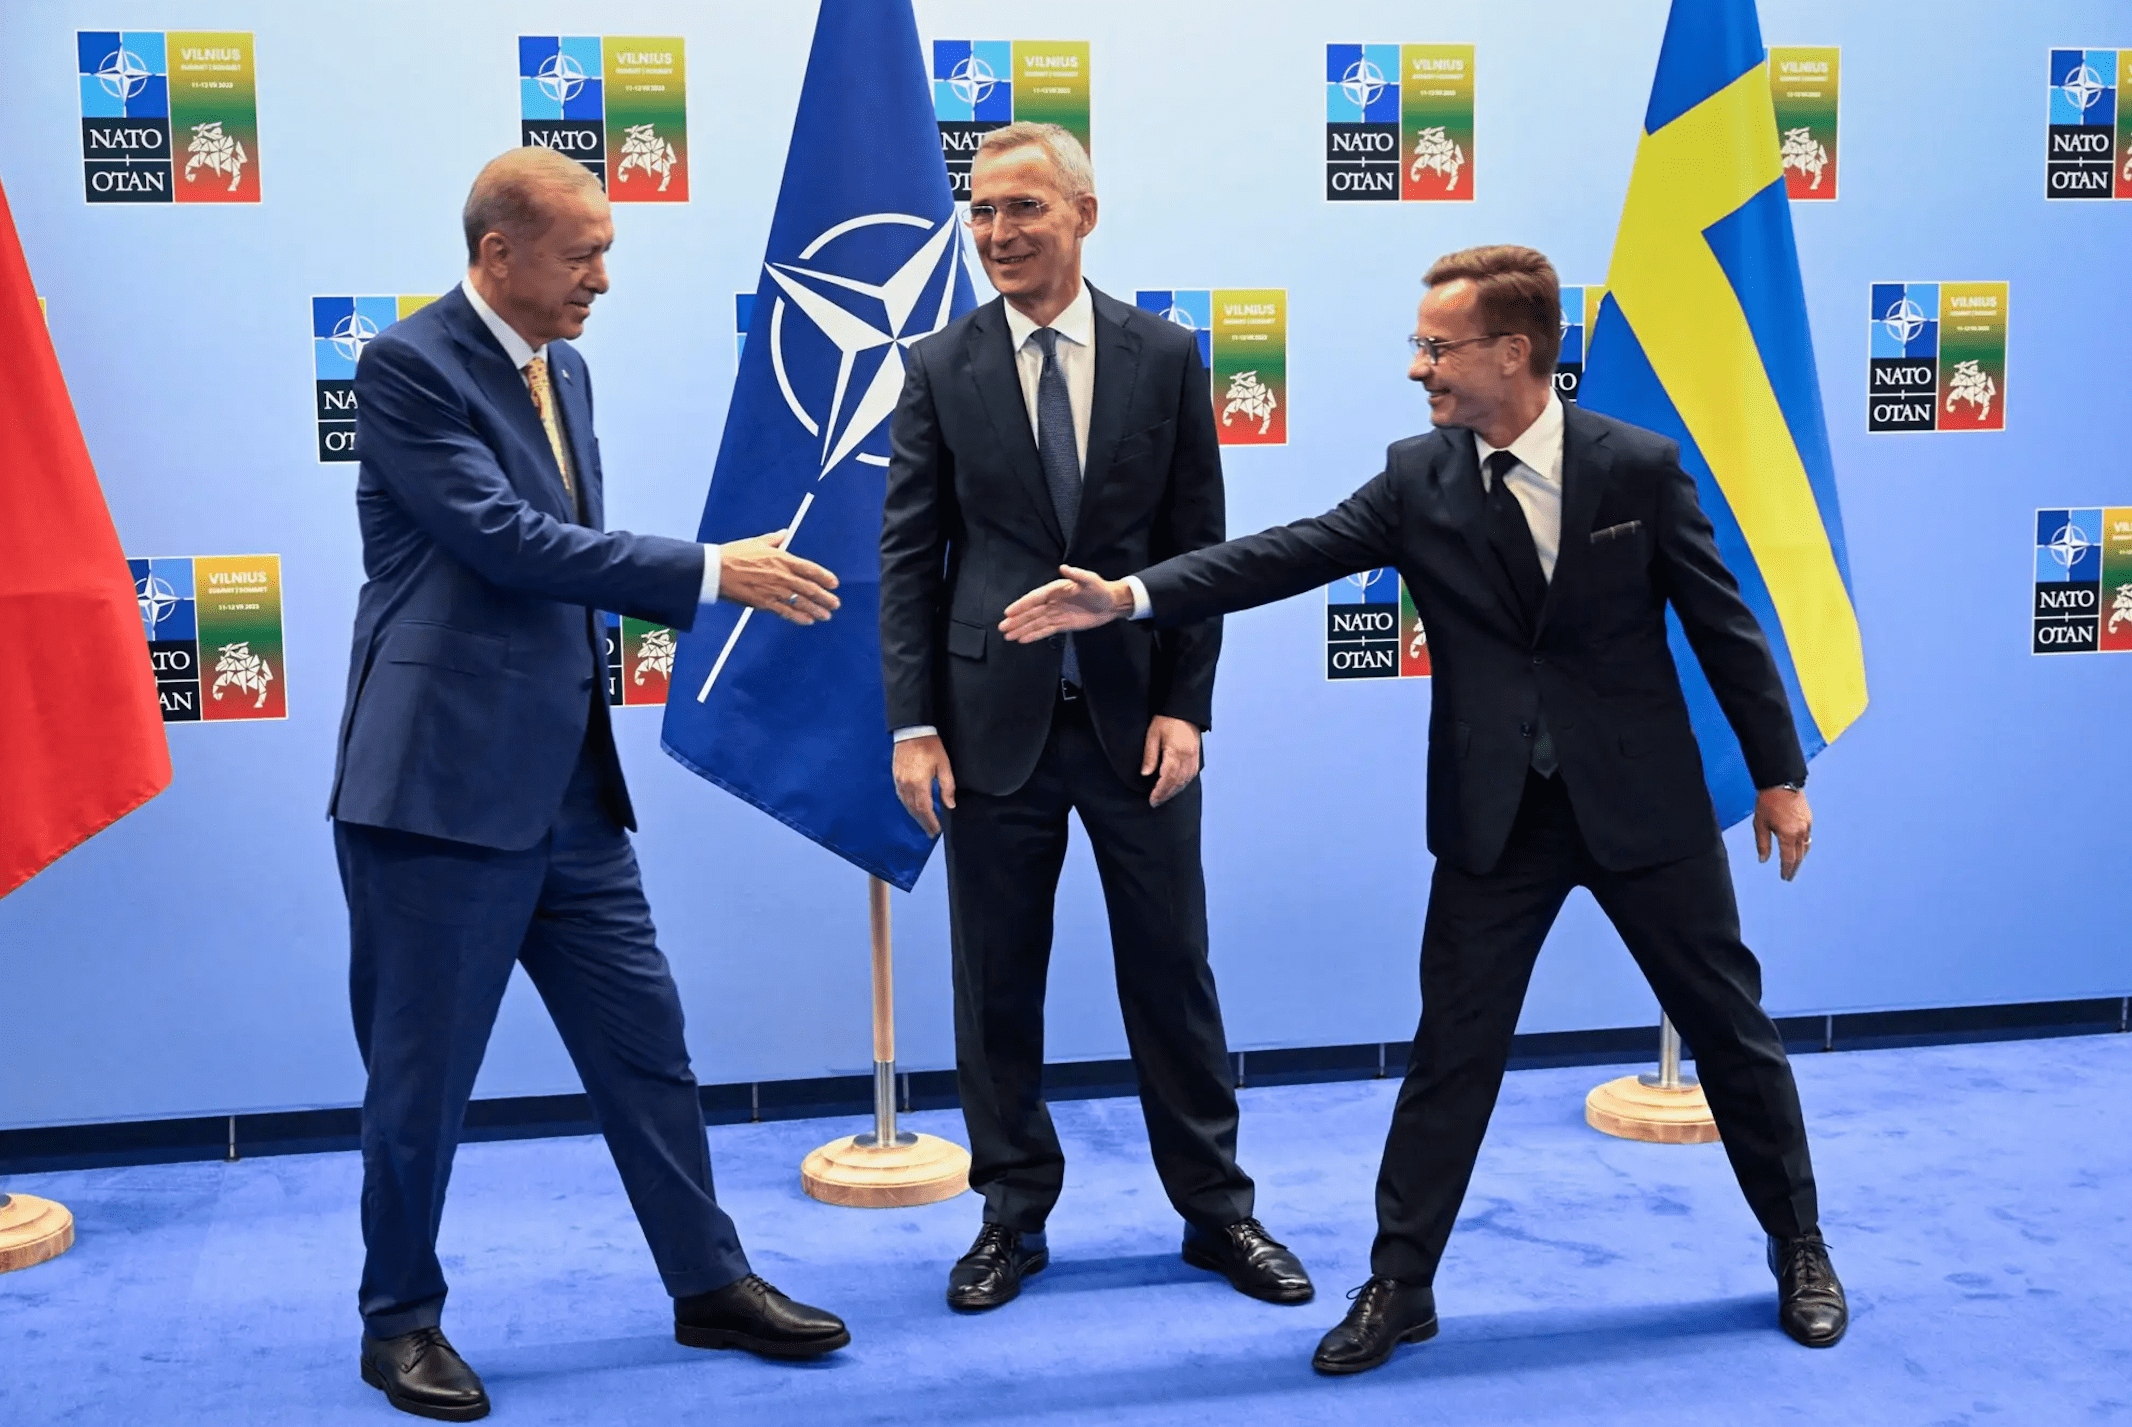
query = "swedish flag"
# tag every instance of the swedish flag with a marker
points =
(1702, 335)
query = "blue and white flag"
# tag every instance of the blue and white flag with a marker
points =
(864, 259)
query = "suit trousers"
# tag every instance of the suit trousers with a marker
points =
(1004, 855)
(435, 927)
(1482, 936)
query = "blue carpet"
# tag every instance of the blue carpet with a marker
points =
(1976, 1198)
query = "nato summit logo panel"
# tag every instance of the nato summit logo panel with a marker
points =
(1803, 84)
(2083, 581)
(1372, 630)
(982, 85)
(2090, 153)
(1937, 357)
(616, 103)
(168, 116)
(214, 635)
(340, 328)
(1243, 343)
(640, 661)
(1399, 123)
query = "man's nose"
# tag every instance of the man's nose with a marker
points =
(596, 279)
(1420, 367)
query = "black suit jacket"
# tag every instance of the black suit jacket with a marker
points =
(1634, 540)
(968, 527)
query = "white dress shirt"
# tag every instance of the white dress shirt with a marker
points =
(1536, 480)
(1075, 353)
(520, 352)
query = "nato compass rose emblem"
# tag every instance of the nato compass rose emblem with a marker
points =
(1904, 321)
(864, 318)
(157, 600)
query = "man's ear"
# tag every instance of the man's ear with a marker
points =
(1086, 203)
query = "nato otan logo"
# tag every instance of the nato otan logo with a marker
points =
(640, 661)
(2083, 580)
(2090, 153)
(168, 116)
(982, 85)
(1937, 357)
(214, 635)
(1372, 630)
(1399, 123)
(1243, 343)
(340, 328)
(616, 103)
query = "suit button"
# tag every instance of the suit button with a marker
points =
(1525, 730)
(586, 683)
(1538, 659)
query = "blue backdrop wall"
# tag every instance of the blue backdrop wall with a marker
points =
(191, 960)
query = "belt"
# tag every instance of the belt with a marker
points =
(1069, 692)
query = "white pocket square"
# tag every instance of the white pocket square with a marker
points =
(1616, 532)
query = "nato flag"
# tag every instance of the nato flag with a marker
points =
(865, 257)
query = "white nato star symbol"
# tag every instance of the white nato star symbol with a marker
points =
(1904, 321)
(123, 74)
(972, 80)
(1362, 83)
(2069, 544)
(157, 600)
(560, 77)
(2084, 86)
(353, 333)
(822, 296)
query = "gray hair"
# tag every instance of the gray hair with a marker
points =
(509, 194)
(1068, 159)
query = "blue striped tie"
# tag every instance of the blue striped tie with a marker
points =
(1060, 457)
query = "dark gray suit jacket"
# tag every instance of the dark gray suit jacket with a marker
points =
(1634, 541)
(968, 527)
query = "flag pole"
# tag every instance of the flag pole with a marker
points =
(1664, 1107)
(32, 1230)
(886, 1168)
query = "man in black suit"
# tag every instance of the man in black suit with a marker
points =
(1056, 423)
(1543, 545)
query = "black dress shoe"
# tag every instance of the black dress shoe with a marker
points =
(420, 1373)
(1251, 1259)
(1386, 1314)
(751, 1315)
(1810, 1302)
(991, 1273)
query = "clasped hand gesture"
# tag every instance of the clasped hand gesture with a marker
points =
(760, 574)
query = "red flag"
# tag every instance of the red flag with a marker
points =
(81, 735)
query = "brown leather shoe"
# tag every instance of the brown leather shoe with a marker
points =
(420, 1373)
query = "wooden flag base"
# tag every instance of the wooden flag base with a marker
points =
(1632, 1110)
(918, 1169)
(32, 1230)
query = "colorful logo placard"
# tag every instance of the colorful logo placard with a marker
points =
(214, 635)
(340, 328)
(982, 85)
(1580, 311)
(1399, 123)
(640, 661)
(616, 103)
(1937, 357)
(1243, 340)
(168, 116)
(2090, 153)
(2083, 581)
(1372, 630)
(1803, 80)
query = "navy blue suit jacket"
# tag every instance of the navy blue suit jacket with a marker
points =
(475, 669)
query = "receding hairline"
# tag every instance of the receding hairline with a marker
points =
(1069, 161)
(511, 194)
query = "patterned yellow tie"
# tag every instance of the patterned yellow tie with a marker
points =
(544, 403)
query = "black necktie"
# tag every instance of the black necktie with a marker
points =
(1511, 537)
(1059, 454)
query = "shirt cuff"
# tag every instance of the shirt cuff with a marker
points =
(1141, 608)
(710, 576)
(916, 730)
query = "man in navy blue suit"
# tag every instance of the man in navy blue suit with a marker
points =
(480, 817)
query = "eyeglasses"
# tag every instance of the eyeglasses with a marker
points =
(1019, 212)
(1435, 347)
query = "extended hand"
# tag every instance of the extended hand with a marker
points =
(1783, 812)
(758, 573)
(1082, 600)
(1173, 748)
(919, 763)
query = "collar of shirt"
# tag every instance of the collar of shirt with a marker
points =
(1077, 324)
(1538, 448)
(514, 346)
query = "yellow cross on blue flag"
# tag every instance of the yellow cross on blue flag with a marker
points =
(1702, 336)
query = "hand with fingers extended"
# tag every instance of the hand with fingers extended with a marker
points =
(1081, 600)
(1782, 813)
(920, 763)
(760, 573)
(1172, 754)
